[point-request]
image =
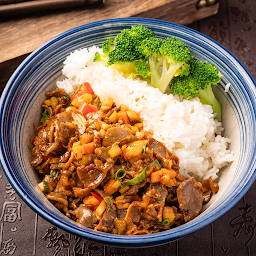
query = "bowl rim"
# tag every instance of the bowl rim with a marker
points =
(122, 240)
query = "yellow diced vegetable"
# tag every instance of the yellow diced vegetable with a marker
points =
(133, 116)
(168, 213)
(54, 101)
(101, 208)
(122, 190)
(77, 150)
(130, 152)
(120, 226)
(115, 151)
(117, 184)
(112, 118)
(87, 97)
(85, 138)
(87, 159)
(48, 102)
(107, 102)
(135, 129)
(123, 108)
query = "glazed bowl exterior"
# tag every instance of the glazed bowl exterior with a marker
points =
(20, 106)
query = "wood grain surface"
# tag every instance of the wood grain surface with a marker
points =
(234, 234)
(23, 34)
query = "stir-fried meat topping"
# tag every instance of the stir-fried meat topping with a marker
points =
(102, 170)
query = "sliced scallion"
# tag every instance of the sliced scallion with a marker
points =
(144, 148)
(157, 163)
(45, 116)
(121, 172)
(46, 187)
(109, 203)
(54, 174)
(137, 179)
(164, 222)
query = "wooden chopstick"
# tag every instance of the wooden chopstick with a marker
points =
(43, 5)
(12, 1)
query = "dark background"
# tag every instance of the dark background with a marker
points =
(23, 232)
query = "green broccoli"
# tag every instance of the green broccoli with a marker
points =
(126, 55)
(166, 59)
(198, 84)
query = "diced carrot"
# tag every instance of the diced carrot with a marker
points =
(98, 197)
(91, 201)
(75, 96)
(109, 189)
(170, 173)
(163, 176)
(121, 115)
(88, 148)
(156, 176)
(88, 88)
(86, 108)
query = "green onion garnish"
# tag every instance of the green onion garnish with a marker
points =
(121, 172)
(54, 174)
(109, 203)
(45, 116)
(137, 179)
(164, 222)
(46, 187)
(144, 148)
(157, 163)
(68, 97)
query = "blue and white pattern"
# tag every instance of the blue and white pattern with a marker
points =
(20, 106)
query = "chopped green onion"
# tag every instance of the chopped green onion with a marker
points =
(68, 97)
(45, 116)
(121, 172)
(144, 148)
(54, 174)
(164, 222)
(157, 163)
(137, 179)
(73, 195)
(46, 187)
(109, 203)
(141, 176)
(100, 105)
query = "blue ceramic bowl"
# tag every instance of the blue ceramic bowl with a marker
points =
(24, 93)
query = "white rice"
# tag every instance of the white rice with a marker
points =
(186, 127)
(227, 87)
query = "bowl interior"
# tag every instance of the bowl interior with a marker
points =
(24, 93)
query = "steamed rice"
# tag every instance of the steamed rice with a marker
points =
(186, 127)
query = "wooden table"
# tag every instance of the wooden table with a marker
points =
(234, 234)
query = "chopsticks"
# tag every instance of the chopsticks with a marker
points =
(27, 7)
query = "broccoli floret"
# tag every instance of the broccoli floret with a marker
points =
(107, 47)
(198, 84)
(137, 52)
(99, 57)
(166, 59)
(126, 56)
(173, 54)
